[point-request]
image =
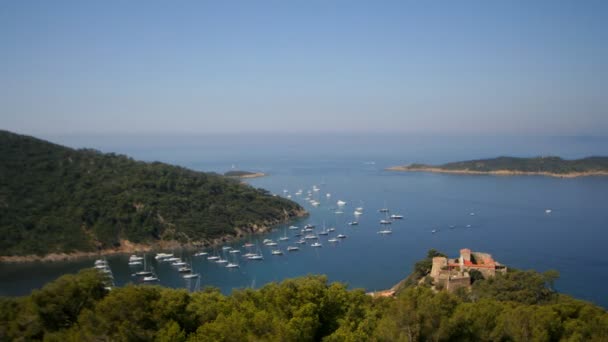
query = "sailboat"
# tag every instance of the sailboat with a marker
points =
(341, 203)
(150, 276)
(293, 248)
(145, 271)
(284, 237)
(200, 254)
(397, 217)
(333, 240)
(316, 244)
(277, 252)
(386, 231)
(324, 231)
(232, 264)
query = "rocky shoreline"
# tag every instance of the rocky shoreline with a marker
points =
(497, 172)
(127, 247)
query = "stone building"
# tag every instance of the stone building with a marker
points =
(454, 273)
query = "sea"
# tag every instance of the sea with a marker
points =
(525, 222)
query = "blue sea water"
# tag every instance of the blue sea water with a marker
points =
(509, 218)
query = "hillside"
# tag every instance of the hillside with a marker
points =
(56, 199)
(78, 308)
(550, 166)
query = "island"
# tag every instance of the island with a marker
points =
(506, 166)
(505, 306)
(57, 202)
(243, 174)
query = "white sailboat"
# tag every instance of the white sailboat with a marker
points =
(316, 244)
(292, 248)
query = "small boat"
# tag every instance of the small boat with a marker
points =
(311, 237)
(434, 231)
(142, 273)
(247, 255)
(277, 252)
(316, 244)
(288, 196)
(292, 248)
(383, 210)
(232, 265)
(184, 269)
(452, 226)
(307, 230)
(255, 257)
(385, 232)
(314, 203)
(324, 232)
(472, 214)
(341, 236)
(297, 234)
(341, 203)
(468, 226)
(353, 223)
(357, 213)
(338, 212)
(190, 276)
(385, 222)
(225, 248)
(100, 262)
(271, 244)
(266, 241)
(234, 251)
(200, 254)
(359, 209)
(135, 258)
(150, 278)
(247, 245)
(135, 263)
(213, 257)
(548, 211)
(331, 229)
(301, 242)
(173, 259)
(160, 256)
(293, 228)
(397, 217)
(221, 261)
(332, 240)
(309, 226)
(178, 264)
(328, 195)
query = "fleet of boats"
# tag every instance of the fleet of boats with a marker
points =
(229, 257)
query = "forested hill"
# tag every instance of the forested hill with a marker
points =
(57, 199)
(518, 307)
(540, 165)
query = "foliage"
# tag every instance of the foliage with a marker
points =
(57, 199)
(76, 308)
(538, 164)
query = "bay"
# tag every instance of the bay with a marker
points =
(509, 218)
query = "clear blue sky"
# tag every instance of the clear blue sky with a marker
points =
(436, 67)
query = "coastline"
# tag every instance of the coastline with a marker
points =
(249, 175)
(497, 172)
(127, 247)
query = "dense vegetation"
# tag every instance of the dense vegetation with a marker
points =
(539, 164)
(78, 308)
(57, 199)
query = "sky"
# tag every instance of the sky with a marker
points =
(200, 67)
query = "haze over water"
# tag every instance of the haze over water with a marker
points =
(509, 222)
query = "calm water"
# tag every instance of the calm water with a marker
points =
(509, 222)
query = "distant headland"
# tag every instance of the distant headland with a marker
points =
(244, 174)
(511, 166)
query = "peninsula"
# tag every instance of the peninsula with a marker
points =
(244, 174)
(57, 202)
(506, 166)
